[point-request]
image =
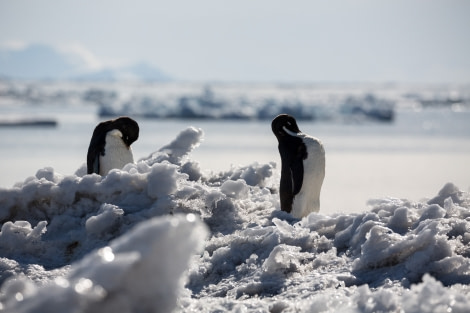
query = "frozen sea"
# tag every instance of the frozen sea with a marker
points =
(195, 225)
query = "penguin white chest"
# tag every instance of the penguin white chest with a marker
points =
(116, 153)
(308, 198)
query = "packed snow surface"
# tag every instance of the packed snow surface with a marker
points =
(161, 235)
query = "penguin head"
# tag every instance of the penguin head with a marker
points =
(284, 125)
(128, 128)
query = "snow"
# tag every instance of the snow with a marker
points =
(161, 235)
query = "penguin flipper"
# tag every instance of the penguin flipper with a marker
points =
(292, 174)
(96, 165)
(291, 183)
(297, 168)
(96, 148)
(286, 189)
(297, 173)
(93, 162)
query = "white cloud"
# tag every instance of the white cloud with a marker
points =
(80, 56)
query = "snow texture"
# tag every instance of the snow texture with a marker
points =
(161, 236)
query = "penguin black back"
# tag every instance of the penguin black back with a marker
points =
(293, 151)
(130, 133)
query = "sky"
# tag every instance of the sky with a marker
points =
(255, 40)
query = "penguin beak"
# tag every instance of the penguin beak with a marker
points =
(289, 132)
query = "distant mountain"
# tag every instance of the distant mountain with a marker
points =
(43, 62)
(35, 62)
(140, 71)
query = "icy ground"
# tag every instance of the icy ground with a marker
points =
(162, 236)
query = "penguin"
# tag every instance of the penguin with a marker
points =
(110, 145)
(302, 167)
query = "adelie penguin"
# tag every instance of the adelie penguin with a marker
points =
(303, 167)
(110, 145)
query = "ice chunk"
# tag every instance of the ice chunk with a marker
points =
(162, 180)
(105, 222)
(138, 272)
(235, 189)
(179, 148)
(449, 190)
(282, 258)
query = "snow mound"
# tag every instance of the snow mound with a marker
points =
(139, 272)
(162, 236)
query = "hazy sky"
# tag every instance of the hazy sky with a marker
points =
(256, 40)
